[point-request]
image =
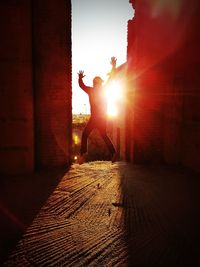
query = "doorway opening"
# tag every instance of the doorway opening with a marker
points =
(99, 32)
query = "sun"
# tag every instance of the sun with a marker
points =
(113, 93)
(112, 110)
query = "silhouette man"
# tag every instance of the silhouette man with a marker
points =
(98, 118)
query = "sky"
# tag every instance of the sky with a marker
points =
(99, 31)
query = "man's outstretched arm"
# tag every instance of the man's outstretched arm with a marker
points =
(112, 73)
(81, 83)
(113, 63)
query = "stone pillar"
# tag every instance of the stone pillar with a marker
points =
(52, 81)
(16, 100)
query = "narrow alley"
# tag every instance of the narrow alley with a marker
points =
(104, 214)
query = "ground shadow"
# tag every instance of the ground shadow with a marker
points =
(161, 216)
(21, 198)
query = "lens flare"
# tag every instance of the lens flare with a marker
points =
(112, 110)
(113, 95)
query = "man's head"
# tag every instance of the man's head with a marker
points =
(97, 81)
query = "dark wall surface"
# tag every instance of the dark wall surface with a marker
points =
(52, 80)
(16, 89)
(35, 84)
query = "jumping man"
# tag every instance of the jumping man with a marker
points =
(98, 107)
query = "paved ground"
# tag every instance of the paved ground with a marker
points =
(103, 214)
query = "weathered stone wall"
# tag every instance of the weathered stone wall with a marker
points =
(164, 92)
(16, 95)
(35, 84)
(52, 81)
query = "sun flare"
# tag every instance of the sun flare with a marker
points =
(113, 92)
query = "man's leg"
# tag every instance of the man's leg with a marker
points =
(86, 132)
(108, 142)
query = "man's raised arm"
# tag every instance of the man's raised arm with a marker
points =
(113, 63)
(81, 83)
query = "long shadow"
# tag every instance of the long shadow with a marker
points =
(161, 216)
(21, 198)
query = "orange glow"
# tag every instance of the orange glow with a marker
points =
(113, 93)
(112, 110)
(172, 7)
(76, 139)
